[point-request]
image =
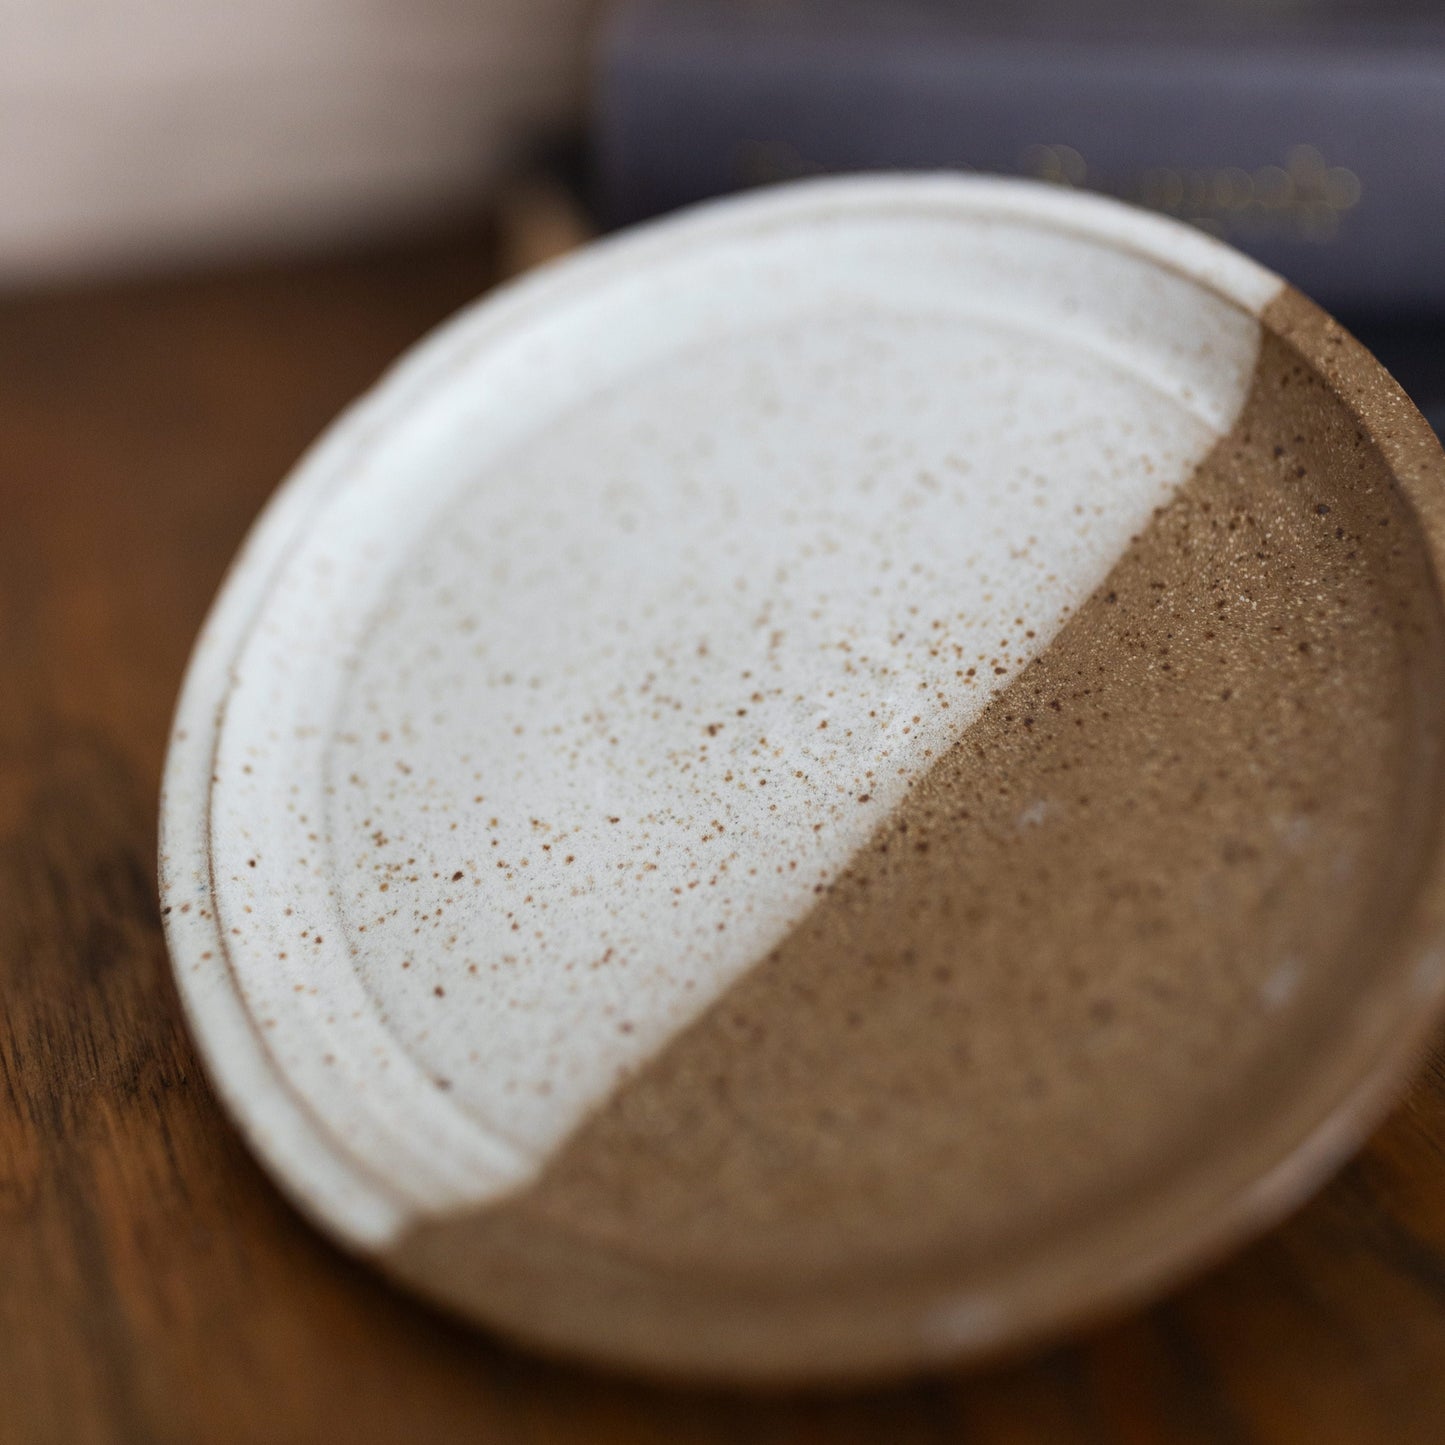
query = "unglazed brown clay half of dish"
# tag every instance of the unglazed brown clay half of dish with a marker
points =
(835, 785)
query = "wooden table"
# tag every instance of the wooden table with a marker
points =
(153, 1285)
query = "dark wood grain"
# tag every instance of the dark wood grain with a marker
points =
(153, 1286)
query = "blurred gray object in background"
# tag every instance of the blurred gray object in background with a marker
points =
(1307, 132)
(135, 133)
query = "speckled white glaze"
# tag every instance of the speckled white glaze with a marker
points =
(576, 657)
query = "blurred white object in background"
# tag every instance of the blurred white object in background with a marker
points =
(134, 133)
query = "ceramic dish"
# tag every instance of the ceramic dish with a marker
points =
(830, 785)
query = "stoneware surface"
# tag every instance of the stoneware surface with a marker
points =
(829, 785)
